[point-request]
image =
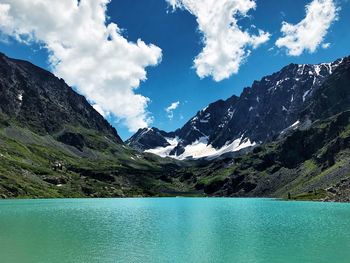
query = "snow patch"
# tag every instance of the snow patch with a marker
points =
(201, 148)
(145, 131)
(317, 70)
(301, 69)
(230, 113)
(165, 151)
(335, 65)
(305, 94)
(205, 118)
(295, 125)
(329, 67)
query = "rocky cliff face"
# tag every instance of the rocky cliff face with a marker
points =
(308, 161)
(152, 137)
(34, 98)
(259, 115)
(333, 97)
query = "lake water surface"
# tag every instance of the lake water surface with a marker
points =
(173, 230)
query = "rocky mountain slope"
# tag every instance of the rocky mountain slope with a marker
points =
(309, 161)
(54, 144)
(259, 115)
(35, 99)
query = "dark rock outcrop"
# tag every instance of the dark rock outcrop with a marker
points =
(149, 138)
(34, 98)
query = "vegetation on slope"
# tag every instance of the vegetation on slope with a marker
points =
(311, 163)
(36, 166)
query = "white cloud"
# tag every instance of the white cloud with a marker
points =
(326, 45)
(226, 45)
(100, 110)
(309, 33)
(86, 51)
(170, 110)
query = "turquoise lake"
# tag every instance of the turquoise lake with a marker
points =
(173, 230)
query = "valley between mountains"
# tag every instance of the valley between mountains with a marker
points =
(286, 136)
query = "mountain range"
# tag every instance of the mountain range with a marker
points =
(261, 113)
(286, 136)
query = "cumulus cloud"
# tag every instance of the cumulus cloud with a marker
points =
(87, 51)
(100, 110)
(170, 110)
(226, 44)
(309, 33)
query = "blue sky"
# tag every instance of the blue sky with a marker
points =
(176, 33)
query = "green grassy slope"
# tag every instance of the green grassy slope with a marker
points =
(33, 166)
(311, 163)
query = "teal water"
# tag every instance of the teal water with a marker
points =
(173, 230)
